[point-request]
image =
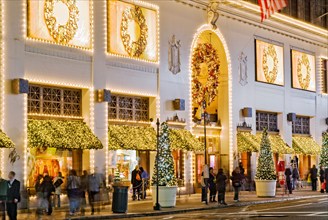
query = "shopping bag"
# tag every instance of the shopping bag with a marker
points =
(323, 185)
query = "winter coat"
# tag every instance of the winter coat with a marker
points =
(288, 173)
(211, 181)
(322, 175)
(237, 179)
(134, 180)
(47, 187)
(314, 173)
(326, 175)
(221, 181)
(295, 173)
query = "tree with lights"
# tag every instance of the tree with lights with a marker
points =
(265, 165)
(324, 151)
(166, 176)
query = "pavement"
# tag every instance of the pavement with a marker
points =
(185, 203)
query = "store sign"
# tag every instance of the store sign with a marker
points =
(62, 22)
(303, 71)
(133, 30)
(269, 63)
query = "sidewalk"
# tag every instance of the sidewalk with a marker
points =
(185, 203)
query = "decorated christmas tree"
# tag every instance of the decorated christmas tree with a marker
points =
(166, 176)
(324, 150)
(265, 165)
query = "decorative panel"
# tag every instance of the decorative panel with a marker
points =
(269, 63)
(301, 125)
(65, 22)
(133, 30)
(303, 71)
(267, 120)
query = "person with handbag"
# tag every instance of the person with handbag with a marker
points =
(136, 182)
(322, 179)
(58, 181)
(237, 179)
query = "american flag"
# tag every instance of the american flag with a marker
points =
(268, 7)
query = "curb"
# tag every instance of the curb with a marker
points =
(179, 211)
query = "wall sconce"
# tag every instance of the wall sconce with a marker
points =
(104, 95)
(20, 86)
(179, 104)
(247, 112)
(291, 117)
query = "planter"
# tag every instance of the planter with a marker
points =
(166, 197)
(266, 188)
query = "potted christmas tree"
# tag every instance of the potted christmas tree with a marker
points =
(265, 178)
(167, 182)
(324, 151)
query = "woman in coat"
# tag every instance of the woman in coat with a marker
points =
(221, 181)
(288, 174)
(237, 179)
(212, 185)
(48, 189)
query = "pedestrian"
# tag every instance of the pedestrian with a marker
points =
(3, 197)
(212, 185)
(203, 185)
(58, 181)
(13, 196)
(237, 179)
(221, 181)
(326, 179)
(95, 182)
(242, 169)
(48, 189)
(295, 177)
(314, 177)
(288, 176)
(84, 190)
(144, 178)
(322, 179)
(136, 181)
(73, 192)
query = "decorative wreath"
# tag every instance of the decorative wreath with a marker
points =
(134, 48)
(61, 33)
(270, 75)
(206, 54)
(303, 81)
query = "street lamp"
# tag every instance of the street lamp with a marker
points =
(205, 168)
(157, 205)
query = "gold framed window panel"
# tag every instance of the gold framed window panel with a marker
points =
(303, 71)
(64, 22)
(132, 30)
(269, 63)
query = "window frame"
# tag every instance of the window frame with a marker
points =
(272, 126)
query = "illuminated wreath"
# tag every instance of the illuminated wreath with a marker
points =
(61, 33)
(207, 54)
(303, 81)
(270, 75)
(134, 48)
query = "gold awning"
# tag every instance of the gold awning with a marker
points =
(182, 139)
(5, 141)
(246, 142)
(278, 145)
(61, 134)
(306, 145)
(128, 137)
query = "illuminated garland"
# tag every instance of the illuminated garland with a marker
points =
(5, 141)
(305, 145)
(205, 54)
(271, 75)
(303, 81)
(183, 139)
(134, 48)
(324, 150)
(61, 33)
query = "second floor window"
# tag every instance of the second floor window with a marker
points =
(54, 101)
(129, 108)
(267, 120)
(301, 125)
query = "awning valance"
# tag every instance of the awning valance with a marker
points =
(306, 145)
(62, 134)
(131, 137)
(5, 141)
(183, 140)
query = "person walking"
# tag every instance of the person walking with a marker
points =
(326, 179)
(221, 181)
(212, 185)
(84, 190)
(314, 177)
(322, 178)
(144, 178)
(48, 189)
(237, 179)
(288, 174)
(41, 206)
(136, 182)
(58, 181)
(95, 182)
(13, 196)
(295, 177)
(73, 192)
(3, 197)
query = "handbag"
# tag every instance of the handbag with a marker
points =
(236, 184)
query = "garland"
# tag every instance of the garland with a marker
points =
(303, 81)
(61, 33)
(134, 48)
(5, 141)
(271, 75)
(206, 54)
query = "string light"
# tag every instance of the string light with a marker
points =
(25, 143)
(106, 146)
(320, 61)
(127, 121)
(91, 124)
(125, 92)
(56, 83)
(2, 82)
(54, 116)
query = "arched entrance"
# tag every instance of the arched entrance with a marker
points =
(211, 80)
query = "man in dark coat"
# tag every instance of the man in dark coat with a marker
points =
(136, 182)
(288, 174)
(314, 177)
(221, 181)
(13, 196)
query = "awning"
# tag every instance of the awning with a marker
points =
(5, 141)
(182, 139)
(246, 142)
(306, 145)
(131, 137)
(62, 134)
(278, 145)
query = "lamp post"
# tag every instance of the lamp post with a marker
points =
(157, 205)
(205, 115)
(205, 168)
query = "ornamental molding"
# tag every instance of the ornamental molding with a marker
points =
(58, 53)
(132, 66)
